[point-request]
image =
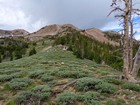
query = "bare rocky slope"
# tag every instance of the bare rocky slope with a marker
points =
(51, 30)
(13, 33)
(98, 35)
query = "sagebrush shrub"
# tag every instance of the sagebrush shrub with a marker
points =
(36, 74)
(9, 71)
(116, 102)
(114, 81)
(37, 95)
(71, 74)
(6, 77)
(105, 87)
(90, 98)
(131, 86)
(42, 92)
(66, 99)
(18, 83)
(25, 98)
(47, 78)
(86, 83)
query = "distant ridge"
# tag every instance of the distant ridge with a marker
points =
(13, 33)
(58, 29)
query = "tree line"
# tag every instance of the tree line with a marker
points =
(85, 47)
(11, 49)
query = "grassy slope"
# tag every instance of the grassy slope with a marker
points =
(63, 65)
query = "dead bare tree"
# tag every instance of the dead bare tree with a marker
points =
(125, 14)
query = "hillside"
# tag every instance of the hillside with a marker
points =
(57, 77)
(99, 35)
(73, 68)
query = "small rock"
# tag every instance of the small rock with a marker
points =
(133, 98)
(124, 96)
(62, 63)
(1, 87)
(131, 91)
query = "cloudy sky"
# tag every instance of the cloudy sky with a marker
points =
(31, 15)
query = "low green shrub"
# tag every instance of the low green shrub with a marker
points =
(105, 87)
(9, 71)
(116, 102)
(6, 77)
(47, 78)
(18, 83)
(18, 74)
(25, 98)
(37, 95)
(114, 81)
(90, 98)
(66, 99)
(42, 92)
(131, 86)
(36, 74)
(86, 83)
(71, 74)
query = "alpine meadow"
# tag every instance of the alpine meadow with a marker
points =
(62, 59)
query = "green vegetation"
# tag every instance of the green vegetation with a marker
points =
(18, 83)
(116, 102)
(90, 98)
(85, 84)
(85, 47)
(113, 36)
(36, 74)
(32, 52)
(106, 87)
(46, 77)
(8, 77)
(131, 86)
(72, 74)
(66, 99)
(24, 98)
(11, 49)
(114, 81)
(42, 92)
(36, 95)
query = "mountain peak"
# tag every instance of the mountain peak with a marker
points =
(51, 30)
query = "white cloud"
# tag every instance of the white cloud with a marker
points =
(12, 17)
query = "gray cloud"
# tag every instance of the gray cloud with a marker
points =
(81, 13)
